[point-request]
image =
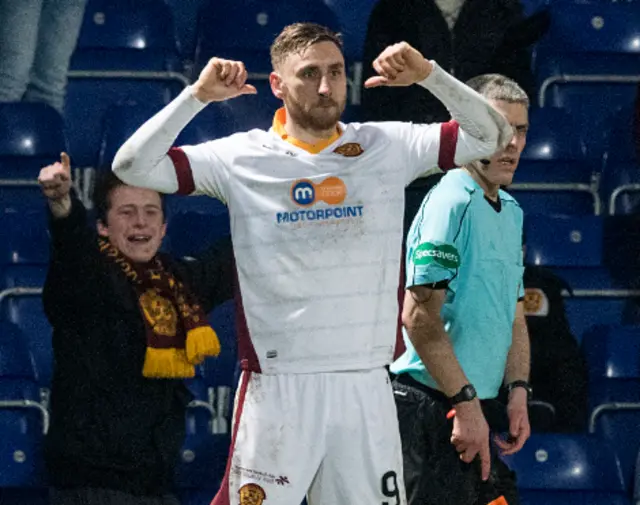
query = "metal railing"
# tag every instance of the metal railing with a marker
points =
(609, 407)
(19, 291)
(615, 194)
(138, 75)
(583, 78)
(28, 404)
(602, 293)
(591, 189)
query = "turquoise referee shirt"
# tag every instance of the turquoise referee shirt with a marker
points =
(473, 245)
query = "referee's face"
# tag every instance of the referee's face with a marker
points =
(313, 86)
(503, 164)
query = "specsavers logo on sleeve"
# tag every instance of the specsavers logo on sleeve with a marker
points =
(305, 193)
(444, 255)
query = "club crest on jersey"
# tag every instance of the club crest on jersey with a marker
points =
(305, 193)
(252, 494)
(349, 150)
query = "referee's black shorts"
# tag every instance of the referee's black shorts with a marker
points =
(433, 471)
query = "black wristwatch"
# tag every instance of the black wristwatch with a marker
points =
(520, 384)
(466, 394)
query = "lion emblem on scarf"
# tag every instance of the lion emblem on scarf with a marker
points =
(160, 313)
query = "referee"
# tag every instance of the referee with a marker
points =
(464, 327)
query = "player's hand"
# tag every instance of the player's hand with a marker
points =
(55, 181)
(470, 435)
(399, 65)
(519, 428)
(221, 80)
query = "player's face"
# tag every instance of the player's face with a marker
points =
(504, 163)
(313, 86)
(135, 223)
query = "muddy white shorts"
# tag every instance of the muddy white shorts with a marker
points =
(332, 437)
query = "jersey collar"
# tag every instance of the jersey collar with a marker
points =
(279, 120)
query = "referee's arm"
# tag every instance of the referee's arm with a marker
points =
(518, 360)
(517, 369)
(424, 326)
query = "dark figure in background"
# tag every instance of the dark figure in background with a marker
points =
(559, 374)
(468, 38)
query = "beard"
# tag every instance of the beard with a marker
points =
(320, 117)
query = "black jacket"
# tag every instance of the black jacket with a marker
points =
(490, 36)
(559, 374)
(110, 426)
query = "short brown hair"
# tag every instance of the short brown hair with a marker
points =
(106, 182)
(298, 37)
(500, 88)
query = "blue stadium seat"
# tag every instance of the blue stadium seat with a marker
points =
(613, 352)
(24, 237)
(215, 121)
(622, 240)
(204, 451)
(89, 99)
(254, 111)
(568, 469)
(208, 436)
(23, 419)
(620, 182)
(189, 233)
(564, 241)
(555, 174)
(586, 45)
(126, 34)
(31, 136)
(613, 356)
(126, 51)
(245, 30)
(539, 198)
(24, 309)
(353, 17)
(192, 230)
(222, 371)
(206, 445)
(554, 153)
(598, 298)
(120, 122)
(185, 19)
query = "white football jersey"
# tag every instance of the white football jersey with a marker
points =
(318, 237)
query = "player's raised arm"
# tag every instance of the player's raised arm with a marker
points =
(143, 160)
(477, 129)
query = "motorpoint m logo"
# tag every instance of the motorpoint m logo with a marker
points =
(332, 190)
(445, 255)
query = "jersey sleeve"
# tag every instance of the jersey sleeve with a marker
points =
(437, 240)
(476, 130)
(201, 170)
(428, 148)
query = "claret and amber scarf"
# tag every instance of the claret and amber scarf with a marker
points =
(178, 334)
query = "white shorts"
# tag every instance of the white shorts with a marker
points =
(332, 437)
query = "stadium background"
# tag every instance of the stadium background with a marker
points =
(578, 183)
